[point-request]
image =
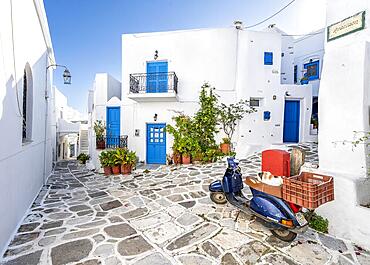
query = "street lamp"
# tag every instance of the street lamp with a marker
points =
(67, 81)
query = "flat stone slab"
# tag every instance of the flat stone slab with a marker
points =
(194, 259)
(188, 219)
(229, 239)
(309, 254)
(153, 259)
(119, 231)
(110, 205)
(24, 238)
(73, 251)
(211, 249)
(250, 253)
(229, 259)
(28, 227)
(163, 233)
(135, 213)
(151, 220)
(197, 235)
(29, 259)
(133, 246)
(52, 224)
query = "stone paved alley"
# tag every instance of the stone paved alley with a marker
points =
(161, 217)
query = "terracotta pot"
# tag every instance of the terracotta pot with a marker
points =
(126, 169)
(225, 148)
(100, 144)
(107, 171)
(177, 158)
(186, 159)
(116, 169)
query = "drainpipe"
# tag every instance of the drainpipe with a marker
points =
(46, 95)
(238, 27)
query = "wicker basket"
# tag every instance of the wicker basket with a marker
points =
(308, 190)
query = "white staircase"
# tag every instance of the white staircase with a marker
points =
(84, 141)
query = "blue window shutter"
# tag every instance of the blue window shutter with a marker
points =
(312, 70)
(268, 58)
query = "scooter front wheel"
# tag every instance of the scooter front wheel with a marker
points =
(218, 197)
(284, 235)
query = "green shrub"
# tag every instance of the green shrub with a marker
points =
(318, 223)
(83, 158)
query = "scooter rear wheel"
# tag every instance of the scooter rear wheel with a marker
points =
(218, 197)
(284, 235)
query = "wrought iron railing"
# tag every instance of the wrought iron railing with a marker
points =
(153, 83)
(111, 142)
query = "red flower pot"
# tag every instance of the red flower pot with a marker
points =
(126, 169)
(116, 169)
(107, 171)
(186, 159)
(176, 158)
(225, 148)
(100, 144)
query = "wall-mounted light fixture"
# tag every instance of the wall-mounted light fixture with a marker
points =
(287, 94)
(155, 117)
(156, 55)
(274, 97)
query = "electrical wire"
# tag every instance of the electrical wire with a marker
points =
(302, 35)
(263, 21)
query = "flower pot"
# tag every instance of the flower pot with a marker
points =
(225, 148)
(126, 169)
(186, 159)
(116, 169)
(107, 171)
(177, 158)
(100, 144)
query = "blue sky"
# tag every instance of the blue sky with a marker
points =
(86, 34)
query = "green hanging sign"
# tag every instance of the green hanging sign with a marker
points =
(346, 26)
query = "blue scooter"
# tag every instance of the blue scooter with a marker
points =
(284, 219)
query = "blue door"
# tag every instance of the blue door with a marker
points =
(113, 126)
(291, 121)
(157, 77)
(156, 143)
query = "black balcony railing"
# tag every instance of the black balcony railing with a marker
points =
(111, 142)
(153, 83)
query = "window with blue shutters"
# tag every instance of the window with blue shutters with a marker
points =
(268, 58)
(312, 70)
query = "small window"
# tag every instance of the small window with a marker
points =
(295, 74)
(268, 59)
(254, 102)
(312, 70)
(27, 104)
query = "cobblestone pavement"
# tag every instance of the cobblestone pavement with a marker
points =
(158, 218)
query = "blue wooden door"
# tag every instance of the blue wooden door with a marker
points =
(113, 125)
(156, 143)
(291, 121)
(157, 77)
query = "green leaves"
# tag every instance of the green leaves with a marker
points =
(229, 115)
(99, 128)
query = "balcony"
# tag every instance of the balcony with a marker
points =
(111, 142)
(153, 87)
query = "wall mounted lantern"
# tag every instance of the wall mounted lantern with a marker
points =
(155, 117)
(156, 55)
(67, 77)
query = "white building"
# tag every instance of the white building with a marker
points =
(164, 71)
(28, 139)
(344, 105)
(69, 123)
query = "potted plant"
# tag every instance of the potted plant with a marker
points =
(229, 115)
(115, 163)
(99, 129)
(105, 162)
(83, 158)
(176, 157)
(128, 163)
(225, 145)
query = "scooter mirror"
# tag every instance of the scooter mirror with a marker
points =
(236, 161)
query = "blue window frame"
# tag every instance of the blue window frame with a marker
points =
(312, 70)
(295, 74)
(268, 58)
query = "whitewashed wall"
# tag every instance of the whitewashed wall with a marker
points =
(230, 60)
(344, 108)
(22, 165)
(310, 47)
